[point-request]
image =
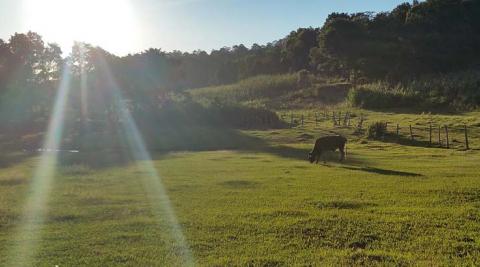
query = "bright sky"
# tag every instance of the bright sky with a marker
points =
(128, 26)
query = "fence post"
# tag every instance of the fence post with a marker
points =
(334, 119)
(340, 118)
(316, 119)
(302, 119)
(430, 134)
(446, 136)
(360, 123)
(349, 116)
(411, 132)
(291, 119)
(466, 137)
(439, 137)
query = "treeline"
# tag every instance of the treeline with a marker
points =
(414, 41)
(434, 36)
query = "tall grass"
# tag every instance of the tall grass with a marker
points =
(380, 95)
(264, 86)
(459, 90)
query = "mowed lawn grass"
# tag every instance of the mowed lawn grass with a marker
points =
(388, 204)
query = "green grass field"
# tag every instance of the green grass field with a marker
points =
(264, 205)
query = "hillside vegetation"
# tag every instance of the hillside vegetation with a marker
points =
(278, 92)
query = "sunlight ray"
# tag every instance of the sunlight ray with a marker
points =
(152, 182)
(27, 235)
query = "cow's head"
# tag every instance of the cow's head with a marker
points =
(311, 158)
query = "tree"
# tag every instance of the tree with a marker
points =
(296, 52)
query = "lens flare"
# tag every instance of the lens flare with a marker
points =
(27, 235)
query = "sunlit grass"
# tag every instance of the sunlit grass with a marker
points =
(388, 205)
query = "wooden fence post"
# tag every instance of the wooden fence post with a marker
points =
(466, 137)
(340, 118)
(316, 119)
(430, 134)
(291, 119)
(398, 130)
(411, 132)
(439, 137)
(446, 136)
(302, 119)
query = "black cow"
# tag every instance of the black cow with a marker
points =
(328, 143)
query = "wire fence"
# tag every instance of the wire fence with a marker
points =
(432, 134)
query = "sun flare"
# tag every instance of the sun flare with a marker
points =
(107, 23)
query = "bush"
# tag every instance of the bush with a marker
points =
(215, 114)
(303, 79)
(377, 130)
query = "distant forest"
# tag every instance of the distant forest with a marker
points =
(413, 40)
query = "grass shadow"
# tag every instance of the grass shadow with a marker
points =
(10, 158)
(13, 151)
(207, 139)
(382, 171)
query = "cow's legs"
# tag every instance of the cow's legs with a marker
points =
(323, 157)
(342, 153)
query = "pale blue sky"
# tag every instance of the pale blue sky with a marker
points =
(183, 25)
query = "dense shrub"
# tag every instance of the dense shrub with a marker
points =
(459, 90)
(377, 130)
(213, 114)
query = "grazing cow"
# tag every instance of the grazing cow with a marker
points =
(328, 143)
